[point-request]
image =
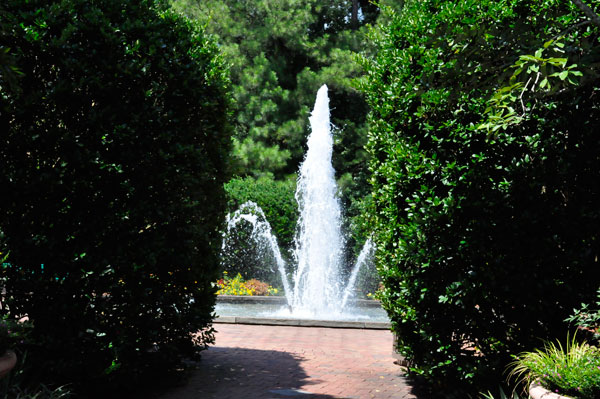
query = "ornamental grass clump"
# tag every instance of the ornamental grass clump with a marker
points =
(573, 370)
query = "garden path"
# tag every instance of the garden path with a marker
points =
(278, 362)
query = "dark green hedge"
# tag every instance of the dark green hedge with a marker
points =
(276, 199)
(488, 229)
(113, 151)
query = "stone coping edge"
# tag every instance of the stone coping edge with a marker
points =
(302, 322)
(281, 300)
(536, 391)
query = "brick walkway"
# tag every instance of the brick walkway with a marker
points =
(277, 362)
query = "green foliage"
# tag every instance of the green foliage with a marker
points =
(534, 78)
(112, 158)
(18, 383)
(502, 395)
(486, 232)
(573, 370)
(9, 73)
(40, 392)
(587, 318)
(13, 333)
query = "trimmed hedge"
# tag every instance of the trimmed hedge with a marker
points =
(486, 220)
(275, 197)
(113, 151)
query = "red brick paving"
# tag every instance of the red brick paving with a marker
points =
(275, 362)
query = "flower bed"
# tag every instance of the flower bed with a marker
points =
(239, 286)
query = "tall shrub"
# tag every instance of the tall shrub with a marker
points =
(486, 179)
(112, 153)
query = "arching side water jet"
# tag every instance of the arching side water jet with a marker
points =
(365, 253)
(262, 234)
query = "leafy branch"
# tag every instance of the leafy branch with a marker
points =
(588, 12)
(533, 75)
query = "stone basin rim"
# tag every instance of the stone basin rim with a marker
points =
(302, 322)
(281, 300)
(256, 300)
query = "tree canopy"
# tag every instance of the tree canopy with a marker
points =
(280, 53)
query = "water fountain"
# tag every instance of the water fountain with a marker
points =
(316, 289)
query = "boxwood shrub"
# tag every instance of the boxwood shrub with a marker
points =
(486, 197)
(113, 149)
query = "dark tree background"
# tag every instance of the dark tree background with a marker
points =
(280, 53)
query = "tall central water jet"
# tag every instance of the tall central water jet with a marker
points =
(319, 243)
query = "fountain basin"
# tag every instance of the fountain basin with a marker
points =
(272, 310)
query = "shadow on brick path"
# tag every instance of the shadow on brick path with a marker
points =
(279, 362)
(247, 373)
